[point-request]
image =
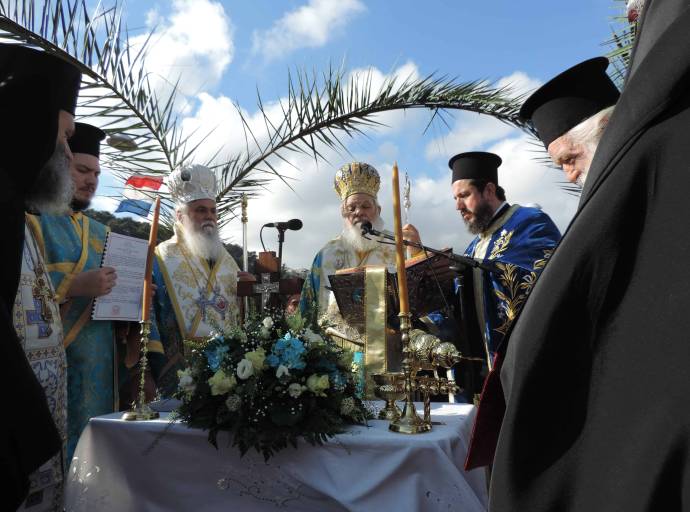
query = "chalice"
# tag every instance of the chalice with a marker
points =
(389, 388)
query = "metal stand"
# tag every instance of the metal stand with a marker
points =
(408, 422)
(141, 410)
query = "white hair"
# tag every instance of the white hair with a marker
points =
(588, 133)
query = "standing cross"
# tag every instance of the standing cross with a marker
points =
(266, 288)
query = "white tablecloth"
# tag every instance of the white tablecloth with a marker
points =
(164, 466)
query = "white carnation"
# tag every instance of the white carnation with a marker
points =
(245, 369)
(295, 389)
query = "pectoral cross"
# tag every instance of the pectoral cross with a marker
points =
(217, 302)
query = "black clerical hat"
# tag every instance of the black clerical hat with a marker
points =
(34, 87)
(19, 65)
(86, 139)
(568, 99)
(475, 165)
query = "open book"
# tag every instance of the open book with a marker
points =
(429, 285)
(127, 255)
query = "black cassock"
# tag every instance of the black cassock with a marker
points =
(28, 436)
(597, 372)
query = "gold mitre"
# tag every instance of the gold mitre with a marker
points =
(355, 178)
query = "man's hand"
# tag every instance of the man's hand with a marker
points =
(411, 234)
(93, 283)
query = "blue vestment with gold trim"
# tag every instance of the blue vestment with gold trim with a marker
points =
(517, 245)
(73, 244)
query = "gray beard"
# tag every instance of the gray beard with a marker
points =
(53, 190)
(482, 219)
(352, 237)
(204, 244)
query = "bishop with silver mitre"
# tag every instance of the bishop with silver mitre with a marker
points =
(196, 278)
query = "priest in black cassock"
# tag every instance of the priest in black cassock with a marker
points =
(515, 242)
(570, 113)
(596, 375)
(37, 97)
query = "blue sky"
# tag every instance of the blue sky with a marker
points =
(222, 51)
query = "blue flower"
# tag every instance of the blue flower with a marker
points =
(287, 351)
(215, 356)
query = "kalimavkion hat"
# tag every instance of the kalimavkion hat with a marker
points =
(86, 139)
(475, 165)
(568, 99)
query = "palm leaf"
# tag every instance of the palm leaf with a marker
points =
(321, 112)
(116, 92)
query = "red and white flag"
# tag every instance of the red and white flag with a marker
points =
(139, 194)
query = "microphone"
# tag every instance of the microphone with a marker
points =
(368, 229)
(293, 224)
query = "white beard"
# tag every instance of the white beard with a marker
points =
(204, 244)
(352, 236)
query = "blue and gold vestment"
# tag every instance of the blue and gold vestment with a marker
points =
(517, 244)
(73, 244)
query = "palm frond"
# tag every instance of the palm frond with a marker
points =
(320, 112)
(621, 42)
(116, 92)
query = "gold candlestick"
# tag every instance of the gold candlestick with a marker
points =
(141, 410)
(408, 422)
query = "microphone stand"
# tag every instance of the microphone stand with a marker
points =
(281, 239)
(457, 258)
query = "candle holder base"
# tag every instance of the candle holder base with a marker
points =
(142, 413)
(409, 422)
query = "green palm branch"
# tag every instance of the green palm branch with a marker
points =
(621, 42)
(321, 112)
(116, 91)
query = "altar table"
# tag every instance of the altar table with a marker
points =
(160, 465)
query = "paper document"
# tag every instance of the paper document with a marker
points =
(127, 255)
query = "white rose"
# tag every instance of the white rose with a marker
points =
(245, 369)
(282, 370)
(295, 389)
(312, 337)
(268, 322)
(186, 382)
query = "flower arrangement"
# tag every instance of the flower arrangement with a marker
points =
(268, 385)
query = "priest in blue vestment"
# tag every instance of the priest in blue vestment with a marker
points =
(73, 246)
(515, 242)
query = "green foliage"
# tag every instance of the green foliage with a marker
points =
(299, 386)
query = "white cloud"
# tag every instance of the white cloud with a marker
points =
(191, 47)
(308, 26)
(519, 82)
